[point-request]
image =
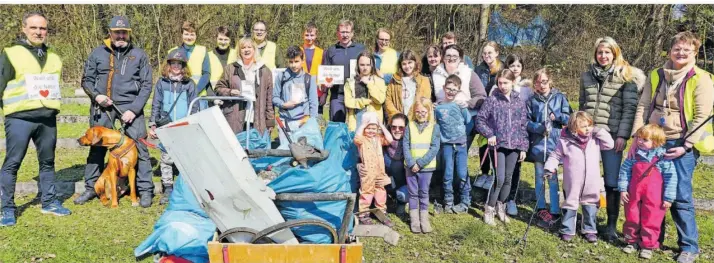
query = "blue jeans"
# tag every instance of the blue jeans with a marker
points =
(570, 218)
(455, 160)
(611, 162)
(552, 186)
(683, 207)
(18, 132)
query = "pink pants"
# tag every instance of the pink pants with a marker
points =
(644, 212)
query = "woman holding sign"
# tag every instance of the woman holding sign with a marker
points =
(248, 79)
(365, 92)
(406, 86)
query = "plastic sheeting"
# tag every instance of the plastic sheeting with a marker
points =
(329, 176)
(257, 140)
(183, 230)
(310, 130)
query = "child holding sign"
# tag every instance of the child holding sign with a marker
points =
(294, 93)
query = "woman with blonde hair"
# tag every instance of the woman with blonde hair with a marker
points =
(609, 92)
(247, 77)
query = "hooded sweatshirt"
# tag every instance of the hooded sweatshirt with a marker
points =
(7, 73)
(283, 87)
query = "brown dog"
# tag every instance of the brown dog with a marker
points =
(122, 163)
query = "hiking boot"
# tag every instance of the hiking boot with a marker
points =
(591, 237)
(85, 197)
(646, 253)
(56, 208)
(438, 208)
(566, 237)
(687, 257)
(545, 219)
(167, 194)
(366, 220)
(488, 215)
(8, 218)
(401, 210)
(414, 221)
(501, 212)
(511, 208)
(460, 208)
(629, 249)
(424, 220)
(145, 199)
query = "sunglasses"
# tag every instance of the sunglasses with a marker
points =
(397, 128)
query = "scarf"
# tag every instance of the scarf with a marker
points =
(601, 73)
(394, 150)
(580, 141)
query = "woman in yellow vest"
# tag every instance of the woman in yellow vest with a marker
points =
(198, 60)
(313, 58)
(222, 55)
(679, 97)
(385, 56)
(421, 145)
(365, 92)
(266, 49)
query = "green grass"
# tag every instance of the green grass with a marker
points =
(64, 130)
(74, 109)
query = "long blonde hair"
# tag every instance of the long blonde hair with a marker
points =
(426, 103)
(622, 67)
(247, 41)
(497, 66)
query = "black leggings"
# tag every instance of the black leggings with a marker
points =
(507, 160)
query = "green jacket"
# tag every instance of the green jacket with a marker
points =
(613, 102)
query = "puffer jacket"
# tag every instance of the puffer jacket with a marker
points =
(504, 118)
(488, 79)
(557, 104)
(613, 101)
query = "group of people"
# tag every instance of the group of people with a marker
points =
(434, 107)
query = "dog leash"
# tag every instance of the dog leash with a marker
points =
(122, 129)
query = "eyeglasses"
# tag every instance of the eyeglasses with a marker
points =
(543, 82)
(682, 51)
(451, 90)
(397, 128)
(451, 56)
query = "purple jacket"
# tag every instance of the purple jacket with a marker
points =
(505, 119)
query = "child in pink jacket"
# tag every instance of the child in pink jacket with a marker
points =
(579, 149)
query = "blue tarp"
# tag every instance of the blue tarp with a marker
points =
(183, 230)
(511, 34)
(329, 176)
(257, 140)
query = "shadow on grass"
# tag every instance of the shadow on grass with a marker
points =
(64, 186)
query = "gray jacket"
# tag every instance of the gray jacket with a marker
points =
(131, 80)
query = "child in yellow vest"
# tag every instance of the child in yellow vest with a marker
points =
(421, 145)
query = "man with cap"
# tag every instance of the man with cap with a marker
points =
(30, 114)
(117, 77)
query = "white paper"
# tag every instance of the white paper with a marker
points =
(353, 68)
(297, 93)
(247, 90)
(42, 86)
(331, 75)
(278, 72)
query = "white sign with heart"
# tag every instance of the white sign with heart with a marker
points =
(331, 75)
(42, 86)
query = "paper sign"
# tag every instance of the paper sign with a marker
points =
(42, 86)
(247, 90)
(278, 72)
(330, 75)
(297, 93)
(353, 68)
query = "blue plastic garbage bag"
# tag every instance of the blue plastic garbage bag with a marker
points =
(257, 140)
(183, 230)
(329, 176)
(310, 130)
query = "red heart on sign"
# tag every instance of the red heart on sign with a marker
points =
(328, 79)
(44, 93)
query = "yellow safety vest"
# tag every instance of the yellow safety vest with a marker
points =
(268, 55)
(420, 142)
(217, 67)
(706, 142)
(195, 64)
(15, 98)
(389, 61)
(316, 61)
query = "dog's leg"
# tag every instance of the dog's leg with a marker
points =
(132, 186)
(100, 189)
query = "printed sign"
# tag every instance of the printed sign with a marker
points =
(330, 75)
(42, 86)
(247, 90)
(297, 93)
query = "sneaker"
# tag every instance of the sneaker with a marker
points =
(629, 249)
(438, 208)
(687, 257)
(57, 209)
(488, 215)
(511, 208)
(8, 218)
(501, 212)
(166, 195)
(545, 219)
(460, 208)
(591, 237)
(566, 237)
(646, 253)
(449, 209)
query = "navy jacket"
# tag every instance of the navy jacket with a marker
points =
(559, 106)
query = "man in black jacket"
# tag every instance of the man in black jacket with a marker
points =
(28, 116)
(118, 74)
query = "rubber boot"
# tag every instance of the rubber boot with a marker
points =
(414, 222)
(613, 211)
(424, 219)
